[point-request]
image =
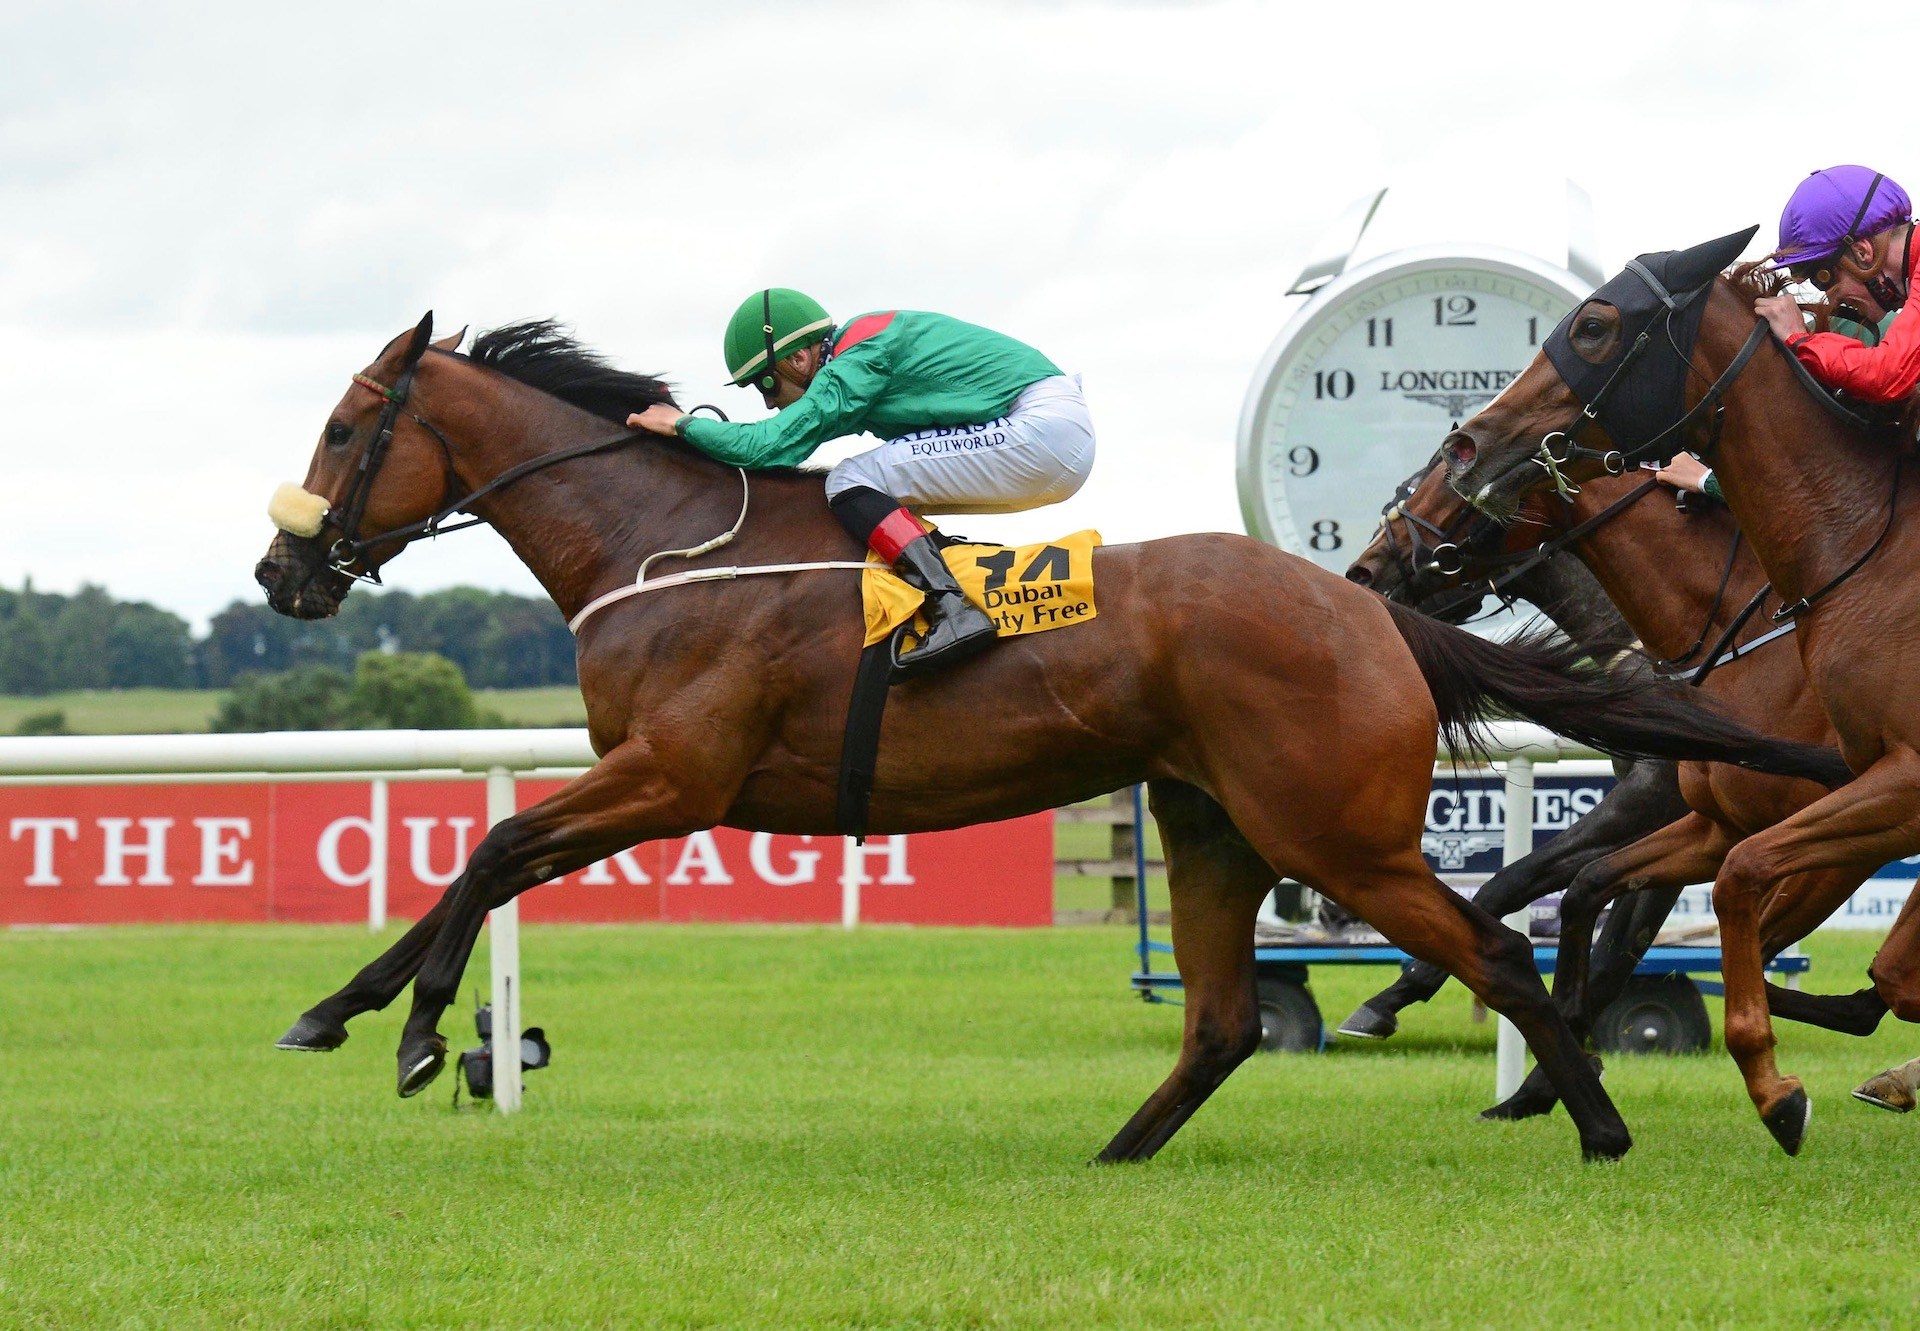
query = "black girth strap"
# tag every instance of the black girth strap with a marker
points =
(860, 749)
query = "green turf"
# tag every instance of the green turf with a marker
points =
(185, 711)
(805, 1127)
(119, 711)
(553, 705)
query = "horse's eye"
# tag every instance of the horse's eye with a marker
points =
(1591, 328)
(338, 432)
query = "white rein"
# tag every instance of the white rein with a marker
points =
(640, 583)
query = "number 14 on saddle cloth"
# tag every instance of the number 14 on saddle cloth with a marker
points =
(1025, 589)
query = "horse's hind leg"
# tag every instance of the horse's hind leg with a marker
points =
(1403, 900)
(1646, 799)
(1686, 851)
(1217, 882)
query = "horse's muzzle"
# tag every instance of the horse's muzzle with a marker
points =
(297, 580)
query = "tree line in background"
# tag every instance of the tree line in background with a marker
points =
(51, 642)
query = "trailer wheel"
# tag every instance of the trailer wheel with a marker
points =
(1655, 1014)
(1289, 1018)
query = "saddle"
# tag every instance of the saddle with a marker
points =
(1024, 589)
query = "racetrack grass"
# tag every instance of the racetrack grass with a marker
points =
(809, 1127)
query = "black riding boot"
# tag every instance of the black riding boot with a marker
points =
(956, 627)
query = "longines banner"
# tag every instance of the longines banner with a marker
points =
(1467, 825)
(301, 851)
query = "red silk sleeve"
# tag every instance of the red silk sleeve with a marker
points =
(1884, 373)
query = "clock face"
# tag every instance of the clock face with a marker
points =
(1371, 376)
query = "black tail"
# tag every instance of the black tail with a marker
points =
(1539, 675)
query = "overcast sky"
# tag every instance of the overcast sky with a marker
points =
(210, 215)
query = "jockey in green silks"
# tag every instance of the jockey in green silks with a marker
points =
(974, 422)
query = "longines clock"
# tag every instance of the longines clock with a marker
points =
(1370, 375)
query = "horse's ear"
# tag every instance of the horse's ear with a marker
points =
(451, 343)
(418, 343)
(1698, 266)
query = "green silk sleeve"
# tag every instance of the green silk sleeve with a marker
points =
(835, 405)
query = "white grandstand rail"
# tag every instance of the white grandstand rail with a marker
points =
(285, 752)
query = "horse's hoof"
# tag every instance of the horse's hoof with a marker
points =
(1523, 1103)
(1604, 1149)
(313, 1035)
(1788, 1120)
(420, 1063)
(1369, 1023)
(1885, 1091)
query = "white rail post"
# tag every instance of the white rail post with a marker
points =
(377, 848)
(1510, 1063)
(853, 868)
(503, 925)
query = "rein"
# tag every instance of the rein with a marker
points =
(351, 546)
(1806, 603)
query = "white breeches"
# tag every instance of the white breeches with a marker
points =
(1038, 453)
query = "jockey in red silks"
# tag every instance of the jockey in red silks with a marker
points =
(1848, 231)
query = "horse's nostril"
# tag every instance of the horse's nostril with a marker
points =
(1461, 451)
(268, 573)
(1361, 574)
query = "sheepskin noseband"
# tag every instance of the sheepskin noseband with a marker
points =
(296, 512)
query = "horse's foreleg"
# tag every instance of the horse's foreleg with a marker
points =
(622, 801)
(1794, 909)
(1682, 852)
(1866, 823)
(1896, 981)
(324, 1025)
(1217, 883)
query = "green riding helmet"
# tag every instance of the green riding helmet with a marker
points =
(769, 325)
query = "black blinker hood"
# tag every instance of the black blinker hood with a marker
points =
(1660, 297)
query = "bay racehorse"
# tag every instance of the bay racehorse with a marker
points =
(1687, 583)
(1668, 355)
(1283, 718)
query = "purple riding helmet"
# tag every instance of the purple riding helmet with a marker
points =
(1833, 208)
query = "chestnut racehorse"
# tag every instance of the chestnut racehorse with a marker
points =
(1283, 718)
(1828, 512)
(1681, 578)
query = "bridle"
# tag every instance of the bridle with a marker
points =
(1499, 571)
(1711, 405)
(352, 511)
(350, 547)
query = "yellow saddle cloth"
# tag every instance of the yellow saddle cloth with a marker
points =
(1025, 588)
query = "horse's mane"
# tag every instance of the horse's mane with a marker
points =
(1757, 278)
(543, 354)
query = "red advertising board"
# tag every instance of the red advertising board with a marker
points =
(300, 851)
